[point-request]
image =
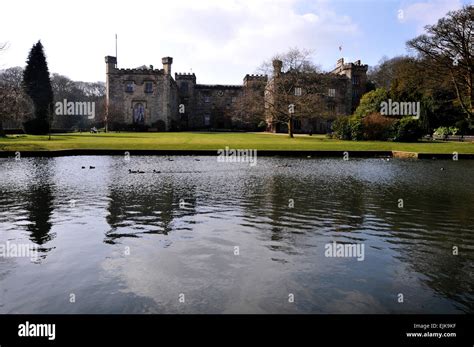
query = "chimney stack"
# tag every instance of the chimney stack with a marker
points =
(277, 65)
(167, 61)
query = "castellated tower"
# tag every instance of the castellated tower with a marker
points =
(143, 98)
(357, 74)
(186, 83)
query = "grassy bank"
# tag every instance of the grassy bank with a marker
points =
(214, 141)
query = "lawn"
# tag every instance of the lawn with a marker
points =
(214, 141)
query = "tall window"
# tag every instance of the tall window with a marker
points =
(355, 80)
(139, 114)
(207, 99)
(207, 120)
(298, 91)
(129, 87)
(332, 92)
(148, 87)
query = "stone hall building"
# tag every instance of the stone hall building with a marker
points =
(152, 99)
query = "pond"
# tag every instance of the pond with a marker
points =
(193, 235)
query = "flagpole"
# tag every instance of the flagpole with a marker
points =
(116, 50)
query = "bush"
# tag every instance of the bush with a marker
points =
(356, 128)
(377, 127)
(408, 129)
(341, 128)
(441, 131)
(453, 130)
(262, 126)
(370, 102)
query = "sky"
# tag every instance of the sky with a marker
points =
(219, 40)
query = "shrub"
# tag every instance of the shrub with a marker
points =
(453, 130)
(441, 131)
(407, 129)
(377, 127)
(341, 128)
(262, 126)
(356, 128)
(370, 102)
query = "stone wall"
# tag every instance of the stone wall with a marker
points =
(182, 104)
(126, 91)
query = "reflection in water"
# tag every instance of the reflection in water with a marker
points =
(182, 226)
(28, 202)
(40, 208)
(133, 212)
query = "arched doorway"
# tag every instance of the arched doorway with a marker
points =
(139, 114)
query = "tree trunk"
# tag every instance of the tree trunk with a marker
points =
(290, 127)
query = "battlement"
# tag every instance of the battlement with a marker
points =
(253, 77)
(355, 66)
(185, 76)
(218, 86)
(140, 71)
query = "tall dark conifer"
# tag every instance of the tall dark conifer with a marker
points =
(37, 85)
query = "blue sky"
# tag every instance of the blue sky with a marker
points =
(219, 40)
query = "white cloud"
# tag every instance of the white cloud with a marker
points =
(428, 12)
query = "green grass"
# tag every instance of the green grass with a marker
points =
(214, 141)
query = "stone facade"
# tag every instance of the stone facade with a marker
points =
(141, 98)
(333, 94)
(151, 99)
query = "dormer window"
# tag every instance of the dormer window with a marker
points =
(129, 87)
(148, 87)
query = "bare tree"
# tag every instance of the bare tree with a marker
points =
(294, 59)
(297, 90)
(248, 109)
(450, 46)
(15, 105)
(294, 96)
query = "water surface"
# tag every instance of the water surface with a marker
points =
(133, 243)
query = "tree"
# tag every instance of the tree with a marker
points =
(295, 96)
(412, 79)
(370, 102)
(15, 105)
(248, 110)
(297, 90)
(294, 59)
(37, 86)
(76, 91)
(386, 71)
(449, 47)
